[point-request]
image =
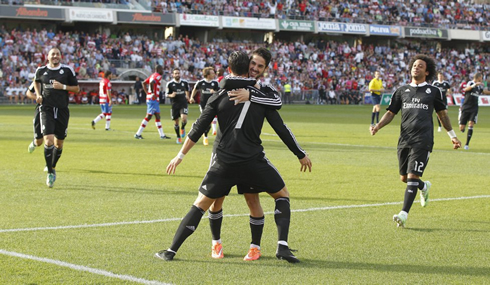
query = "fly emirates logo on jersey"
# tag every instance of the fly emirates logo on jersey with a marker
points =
(415, 104)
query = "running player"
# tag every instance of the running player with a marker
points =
(469, 110)
(152, 103)
(56, 80)
(105, 101)
(207, 86)
(417, 102)
(178, 91)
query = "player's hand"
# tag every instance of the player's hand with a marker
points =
(373, 130)
(154, 97)
(305, 164)
(110, 102)
(456, 143)
(171, 95)
(39, 99)
(239, 96)
(172, 166)
(57, 85)
(192, 101)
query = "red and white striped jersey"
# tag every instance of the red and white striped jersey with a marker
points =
(104, 87)
(153, 86)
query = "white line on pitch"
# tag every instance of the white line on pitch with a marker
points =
(81, 268)
(231, 215)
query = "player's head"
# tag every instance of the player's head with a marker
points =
(107, 74)
(221, 71)
(422, 67)
(176, 74)
(259, 61)
(54, 57)
(208, 73)
(238, 62)
(377, 74)
(440, 76)
(478, 77)
(158, 69)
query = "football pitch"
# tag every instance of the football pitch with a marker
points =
(112, 206)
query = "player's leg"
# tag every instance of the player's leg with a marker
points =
(99, 116)
(183, 116)
(38, 134)
(175, 114)
(108, 117)
(158, 124)
(470, 134)
(144, 123)
(215, 216)
(187, 226)
(257, 221)
(412, 163)
(439, 129)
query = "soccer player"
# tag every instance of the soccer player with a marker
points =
(376, 87)
(417, 102)
(152, 102)
(239, 156)
(469, 110)
(259, 60)
(105, 101)
(178, 91)
(207, 86)
(445, 89)
(36, 122)
(57, 80)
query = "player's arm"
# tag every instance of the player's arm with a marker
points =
(469, 87)
(264, 96)
(31, 92)
(108, 92)
(486, 92)
(446, 123)
(193, 94)
(186, 147)
(385, 120)
(167, 91)
(287, 137)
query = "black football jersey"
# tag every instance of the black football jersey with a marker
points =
(206, 88)
(471, 97)
(179, 88)
(55, 97)
(417, 103)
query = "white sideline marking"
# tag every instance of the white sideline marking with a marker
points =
(234, 215)
(82, 268)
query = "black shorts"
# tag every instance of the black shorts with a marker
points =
(54, 121)
(36, 122)
(252, 177)
(469, 115)
(413, 160)
(178, 109)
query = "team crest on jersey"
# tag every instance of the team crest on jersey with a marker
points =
(182, 84)
(61, 71)
(45, 73)
(428, 91)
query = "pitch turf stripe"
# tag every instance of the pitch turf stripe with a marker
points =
(82, 268)
(233, 215)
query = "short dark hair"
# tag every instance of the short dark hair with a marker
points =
(264, 53)
(429, 62)
(107, 74)
(239, 62)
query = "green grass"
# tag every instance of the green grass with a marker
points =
(109, 177)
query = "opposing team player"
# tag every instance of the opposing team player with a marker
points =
(105, 101)
(207, 86)
(417, 102)
(178, 91)
(469, 110)
(152, 102)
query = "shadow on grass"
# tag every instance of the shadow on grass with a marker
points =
(448, 230)
(330, 264)
(118, 173)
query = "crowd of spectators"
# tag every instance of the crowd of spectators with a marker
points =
(442, 13)
(338, 67)
(445, 13)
